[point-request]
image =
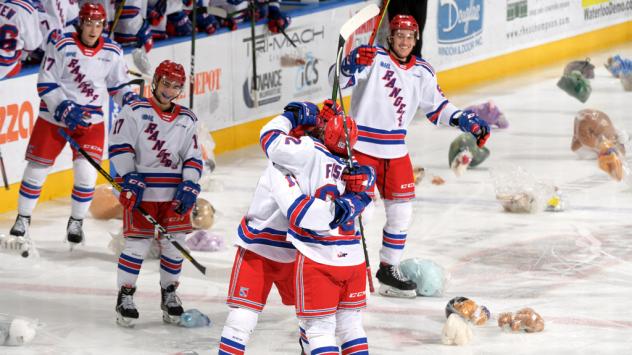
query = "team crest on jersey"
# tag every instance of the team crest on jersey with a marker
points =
(243, 292)
(147, 117)
(385, 65)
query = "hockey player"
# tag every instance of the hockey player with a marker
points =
(154, 148)
(329, 268)
(78, 72)
(389, 85)
(238, 10)
(264, 256)
(19, 31)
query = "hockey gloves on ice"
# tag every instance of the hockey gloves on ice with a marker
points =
(348, 206)
(70, 114)
(469, 122)
(301, 113)
(277, 20)
(359, 179)
(357, 59)
(329, 110)
(185, 197)
(133, 188)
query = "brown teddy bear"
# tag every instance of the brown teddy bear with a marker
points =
(525, 319)
(592, 127)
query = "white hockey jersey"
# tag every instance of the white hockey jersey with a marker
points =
(132, 18)
(71, 71)
(19, 30)
(64, 13)
(263, 230)
(385, 98)
(318, 173)
(161, 146)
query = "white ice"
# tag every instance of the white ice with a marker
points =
(573, 267)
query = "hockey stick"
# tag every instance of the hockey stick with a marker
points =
(379, 22)
(347, 29)
(4, 172)
(288, 38)
(117, 16)
(192, 73)
(253, 21)
(147, 216)
(140, 83)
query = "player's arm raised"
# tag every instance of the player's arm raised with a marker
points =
(282, 148)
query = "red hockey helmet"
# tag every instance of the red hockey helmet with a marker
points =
(92, 12)
(404, 22)
(335, 138)
(170, 70)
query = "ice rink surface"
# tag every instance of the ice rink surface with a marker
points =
(573, 267)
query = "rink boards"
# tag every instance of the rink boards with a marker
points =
(467, 42)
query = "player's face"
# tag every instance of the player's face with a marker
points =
(402, 43)
(91, 31)
(167, 91)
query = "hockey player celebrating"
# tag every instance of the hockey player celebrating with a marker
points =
(329, 268)
(389, 85)
(78, 72)
(154, 148)
(264, 256)
(19, 31)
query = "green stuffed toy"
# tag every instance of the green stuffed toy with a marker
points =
(576, 85)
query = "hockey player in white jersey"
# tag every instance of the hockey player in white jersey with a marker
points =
(19, 31)
(389, 86)
(264, 257)
(330, 279)
(154, 148)
(77, 73)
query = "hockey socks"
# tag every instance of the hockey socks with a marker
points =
(239, 325)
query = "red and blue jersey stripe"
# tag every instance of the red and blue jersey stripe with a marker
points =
(434, 115)
(267, 138)
(381, 136)
(266, 236)
(194, 164)
(118, 149)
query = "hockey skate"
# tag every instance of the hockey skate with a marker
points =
(393, 284)
(19, 239)
(171, 305)
(126, 312)
(74, 232)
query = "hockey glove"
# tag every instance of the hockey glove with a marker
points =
(207, 23)
(277, 20)
(359, 179)
(185, 197)
(70, 114)
(178, 25)
(358, 59)
(156, 13)
(329, 110)
(144, 37)
(130, 97)
(301, 113)
(348, 206)
(132, 193)
(469, 122)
